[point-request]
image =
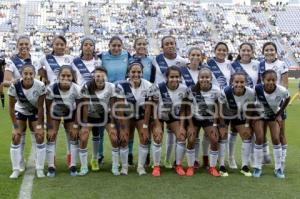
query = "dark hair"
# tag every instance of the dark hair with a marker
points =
(267, 44)
(23, 37)
(58, 37)
(237, 74)
(241, 46)
(174, 68)
(270, 71)
(221, 43)
(166, 37)
(63, 67)
(115, 38)
(27, 66)
(100, 69)
(197, 87)
(136, 40)
(91, 85)
(134, 63)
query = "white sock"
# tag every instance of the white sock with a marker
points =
(33, 140)
(284, 152)
(156, 150)
(74, 152)
(15, 156)
(213, 158)
(180, 150)
(266, 148)
(96, 140)
(170, 141)
(231, 144)
(40, 156)
(83, 154)
(124, 156)
(22, 146)
(205, 145)
(143, 151)
(115, 157)
(197, 149)
(258, 156)
(190, 156)
(68, 144)
(246, 149)
(277, 152)
(222, 150)
(50, 149)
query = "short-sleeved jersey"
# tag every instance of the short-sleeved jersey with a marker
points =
(90, 65)
(99, 102)
(32, 94)
(69, 97)
(252, 70)
(279, 67)
(226, 70)
(194, 74)
(167, 111)
(241, 103)
(10, 66)
(159, 76)
(206, 109)
(61, 60)
(274, 100)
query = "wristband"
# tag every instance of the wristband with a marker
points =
(145, 126)
(112, 125)
(39, 126)
(246, 125)
(75, 126)
(215, 125)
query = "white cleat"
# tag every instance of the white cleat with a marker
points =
(40, 173)
(232, 163)
(124, 171)
(141, 171)
(15, 174)
(115, 171)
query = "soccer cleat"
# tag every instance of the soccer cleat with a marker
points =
(279, 173)
(246, 171)
(214, 172)
(94, 165)
(115, 171)
(223, 171)
(147, 163)
(267, 159)
(15, 174)
(141, 171)
(73, 171)
(40, 173)
(257, 173)
(22, 165)
(83, 171)
(124, 171)
(101, 160)
(205, 161)
(196, 165)
(156, 171)
(168, 164)
(68, 159)
(130, 160)
(179, 170)
(190, 171)
(51, 172)
(232, 163)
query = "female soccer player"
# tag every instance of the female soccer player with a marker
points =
(273, 98)
(269, 51)
(100, 97)
(26, 103)
(234, 103)
(62, 100)
(250, 67)
(134, 90)
(205, 115)
(169, 97)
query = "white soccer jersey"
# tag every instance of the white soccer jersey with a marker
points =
(69, 97)
(241, 102)
(90, 65)
(279, 67)
(274, 99)
(194, 74)
(177, 96)
(178, 61)
(211, 98)
(139, 93)
(103, 98)
(61, 60)
(10, 66)
(32, 94)
(227, 71)
(252, 69)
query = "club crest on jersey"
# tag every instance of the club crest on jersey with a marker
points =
(278, 98)
(67, 60)
(180, 95)
(35, 94)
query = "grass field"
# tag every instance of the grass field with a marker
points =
(104, 185)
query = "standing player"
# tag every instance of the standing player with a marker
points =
(2, 64)
(271, 62)
(26, 103)
(62, 100)
(167, 58)
(273, 99)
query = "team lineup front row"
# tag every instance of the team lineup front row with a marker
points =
(245, 95)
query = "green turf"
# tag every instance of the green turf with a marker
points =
(104, 185)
